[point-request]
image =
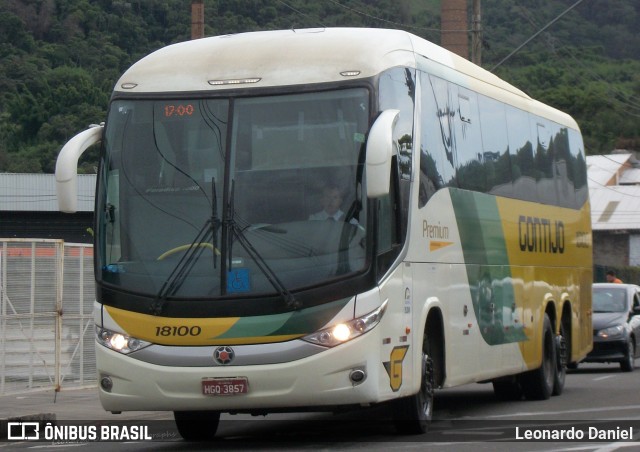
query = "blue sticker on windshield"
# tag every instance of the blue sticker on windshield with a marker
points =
(238, 280)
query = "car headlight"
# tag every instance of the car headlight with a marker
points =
(118, 342)
(611, 332)
(345, 331)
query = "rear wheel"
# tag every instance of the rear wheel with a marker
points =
(628, 363)
(538, 384)
(197, 425)
(413, 414)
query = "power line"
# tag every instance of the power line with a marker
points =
(368, 15)
(301, 13)
(553, 44)
(536, 34)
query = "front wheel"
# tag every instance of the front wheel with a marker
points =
(628, 363)
(413, 414)
(197, 425)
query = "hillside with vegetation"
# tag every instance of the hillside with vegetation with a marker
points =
(59, 59)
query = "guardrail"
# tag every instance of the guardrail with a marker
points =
(46, 319)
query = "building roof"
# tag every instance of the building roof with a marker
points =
(614, 191)
(604, 170)
(37, 192)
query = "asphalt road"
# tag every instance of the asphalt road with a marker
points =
(598, 399)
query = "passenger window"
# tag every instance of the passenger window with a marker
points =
(436, 154)
(521, 154)
(495, 147)
(467, 143)
(397, 91)
(543, 148)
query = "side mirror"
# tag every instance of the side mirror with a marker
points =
(379, 152)
(67, 167)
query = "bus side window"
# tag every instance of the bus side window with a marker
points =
(436, 157)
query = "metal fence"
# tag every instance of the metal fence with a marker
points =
(46, 322)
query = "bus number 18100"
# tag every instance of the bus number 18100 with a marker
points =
(182, 330)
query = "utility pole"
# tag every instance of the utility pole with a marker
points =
(476, 34)
(197, 19)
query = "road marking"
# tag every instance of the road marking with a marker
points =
(594, 448)
(543, 413)
(603, 378)
(615, 446)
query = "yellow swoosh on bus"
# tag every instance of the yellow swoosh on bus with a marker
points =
(168, 330)
(436, 245)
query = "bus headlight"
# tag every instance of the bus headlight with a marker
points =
(343, 332)
(121, 343)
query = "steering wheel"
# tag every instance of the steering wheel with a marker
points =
(180, 248)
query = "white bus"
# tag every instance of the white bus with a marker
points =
(461, 251)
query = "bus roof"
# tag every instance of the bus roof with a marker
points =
(306, 56)
(284, 57)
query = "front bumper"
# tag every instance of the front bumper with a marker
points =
(605, 351)
(320, 380)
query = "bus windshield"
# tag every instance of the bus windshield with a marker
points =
(201, 198)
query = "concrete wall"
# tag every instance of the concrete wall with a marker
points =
(611, 248)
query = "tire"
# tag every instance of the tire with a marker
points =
(538, 384)
(629, 361)
(507, 388)
(560, 374)
(197, 425)
(412, 415)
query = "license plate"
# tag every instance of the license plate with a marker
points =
(225, 386)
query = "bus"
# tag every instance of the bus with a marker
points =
(326, 219)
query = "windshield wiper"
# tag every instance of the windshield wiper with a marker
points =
(182, 269)
(208, 232)
(266, 270)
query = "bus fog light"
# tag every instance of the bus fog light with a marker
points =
(345, 331)
(357, 376)
(106, 383)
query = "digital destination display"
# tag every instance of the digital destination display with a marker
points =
(177, 110)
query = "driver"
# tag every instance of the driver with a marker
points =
(331, 202)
